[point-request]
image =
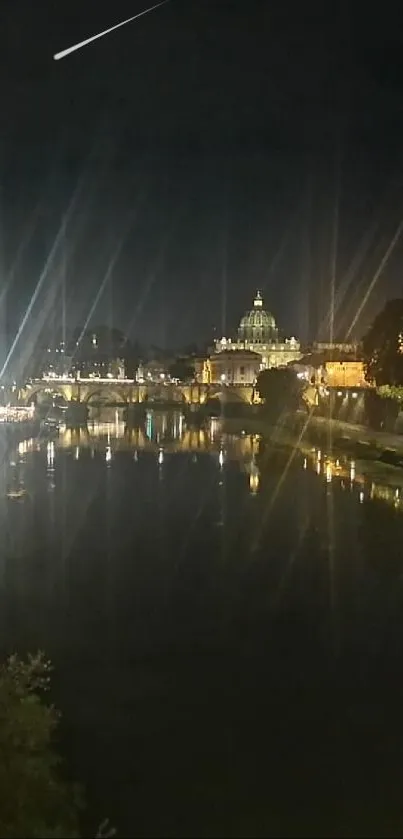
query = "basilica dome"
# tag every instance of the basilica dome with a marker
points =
(258, 325)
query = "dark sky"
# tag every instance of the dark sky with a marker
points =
(201, 152)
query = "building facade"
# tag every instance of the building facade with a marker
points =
(240, 367)
(333, 365)
(258, 333)
(347, 373)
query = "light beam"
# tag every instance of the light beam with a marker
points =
(69, 50)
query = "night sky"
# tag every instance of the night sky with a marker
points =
(208, 149)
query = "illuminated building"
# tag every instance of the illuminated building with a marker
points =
(347, 373)
(258, 333)
(241, 367)
(333, 365)
(101, 368)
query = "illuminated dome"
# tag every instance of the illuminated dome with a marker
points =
(258, 326)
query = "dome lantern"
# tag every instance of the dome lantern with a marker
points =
(258, 325)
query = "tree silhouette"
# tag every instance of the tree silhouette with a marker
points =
(382, 346)
(280, 389)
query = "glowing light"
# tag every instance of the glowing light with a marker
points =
(77, 453)
(328, 472)
(69, 50)
(305, 462)
(108, 454)
(352, 470)
(254, 481)
(361, 497)
(161, 457)
(50, 454)
(221, 458)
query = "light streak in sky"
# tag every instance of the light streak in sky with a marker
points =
(69, 50)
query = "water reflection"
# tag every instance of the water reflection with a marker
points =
(387, 490)
(168, 434)
(178, 585)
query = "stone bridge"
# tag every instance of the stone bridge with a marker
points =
(128, 391)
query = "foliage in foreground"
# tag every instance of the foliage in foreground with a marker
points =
(34, 800)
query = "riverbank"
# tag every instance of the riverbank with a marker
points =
(314, 429)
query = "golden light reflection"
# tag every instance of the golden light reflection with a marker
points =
(347, 469)
(176, 436)
(254, 482)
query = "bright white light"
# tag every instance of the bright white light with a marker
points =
(69, 50)
(221, 458)
(108, 454)
(361, 497)
(50, 453)
(223, 377)
(160, 457)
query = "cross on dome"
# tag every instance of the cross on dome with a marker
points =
(258, 302)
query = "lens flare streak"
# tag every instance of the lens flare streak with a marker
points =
(64, 53)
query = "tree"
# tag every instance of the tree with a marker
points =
(280, 389)
(383, 346)
(34, 800)
(182, 370)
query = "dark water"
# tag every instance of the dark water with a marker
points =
(228, 639)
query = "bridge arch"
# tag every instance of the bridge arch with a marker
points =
(29, 395)
(240, 395)
(105, 395)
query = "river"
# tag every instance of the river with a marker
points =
(226, 627)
